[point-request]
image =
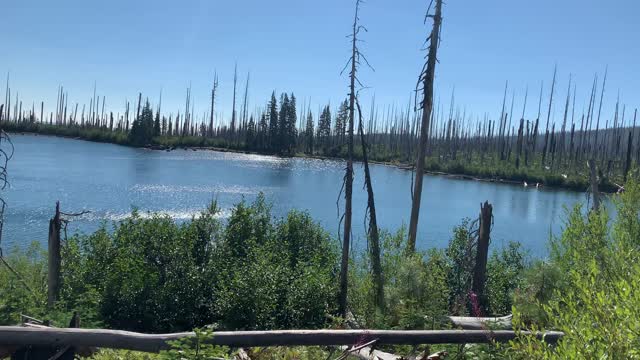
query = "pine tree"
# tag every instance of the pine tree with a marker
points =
(142, 128)
(309, 134)
(283, 126)
(341, 122)
(156, 125)
(273, 123)
(251, 134)
(263, 132)
(324, 128)
(292, 121)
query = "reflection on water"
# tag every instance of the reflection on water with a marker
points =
(111, 180)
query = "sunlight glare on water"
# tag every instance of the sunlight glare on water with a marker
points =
(111, 181)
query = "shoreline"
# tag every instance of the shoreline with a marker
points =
(398, 165)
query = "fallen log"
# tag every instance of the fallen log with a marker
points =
(481, 323)
(117, 339)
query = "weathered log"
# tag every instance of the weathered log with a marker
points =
(117, 339)
(482, 323)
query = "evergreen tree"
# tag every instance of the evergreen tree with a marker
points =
(142, 128)
(263, 131)
(324, 128)
(273, 123)
(341, 122)
(309, 134)
(292, 130)
(283, 124)
(156, 125)
(251, 134)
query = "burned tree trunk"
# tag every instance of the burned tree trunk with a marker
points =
(374, 237)
(593, 180)
(213, 103)
(53, 289)
(546, 134)
(427, 77)
(233, 107)
(482, 253)
(348, 176)
(627, 164)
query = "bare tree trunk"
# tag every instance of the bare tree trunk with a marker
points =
(427, 78)
(593, 179)
(546, 134)
(213, 103)
(53, 290)
(482, 253)
(233, 108)
(627, 164)
(139, 101)
(374, 237)
(348, 177)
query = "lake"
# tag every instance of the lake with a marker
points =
(111, 180)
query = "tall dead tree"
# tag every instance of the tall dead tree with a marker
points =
(213, 102)
(373, 234)
(604, 82)
(627, 163)
(426, 77)
(233, 109)
(546, 134)
(354, 61)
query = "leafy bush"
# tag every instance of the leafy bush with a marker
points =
(275, 275)
(595, 300)
(422, 288)
(25, 293)
(254, 272)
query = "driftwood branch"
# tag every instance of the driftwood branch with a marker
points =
(117, 339)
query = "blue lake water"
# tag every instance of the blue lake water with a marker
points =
(111, 180)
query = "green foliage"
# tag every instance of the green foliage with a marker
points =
(151, 274)
(415, 287)
(188, 348)
(505, 274)
(72, 131)
(25, 293)
(195, 348)
(422, 288)
(108, 354)
(275, 275)
(595, 300)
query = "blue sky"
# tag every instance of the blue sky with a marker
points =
(128, 47)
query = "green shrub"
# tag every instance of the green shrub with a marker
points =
(595, 300)
(26, 292)
(254, 272)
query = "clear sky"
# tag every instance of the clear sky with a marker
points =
(129, 46)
